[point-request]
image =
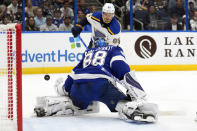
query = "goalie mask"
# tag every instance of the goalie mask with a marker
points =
(100, 43)
(113, 40)
(108, 11)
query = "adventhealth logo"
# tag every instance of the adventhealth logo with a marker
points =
(53, 56)
(75, 42)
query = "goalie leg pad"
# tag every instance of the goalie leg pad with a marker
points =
(61, 106)
(133, 86)
(52, 106)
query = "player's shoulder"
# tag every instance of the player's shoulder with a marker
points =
(114, 27)
(96, 16)
(116, 48)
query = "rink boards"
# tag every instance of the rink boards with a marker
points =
(144, 51)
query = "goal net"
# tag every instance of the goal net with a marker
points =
(10, 78)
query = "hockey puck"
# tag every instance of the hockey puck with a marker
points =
(46, 77)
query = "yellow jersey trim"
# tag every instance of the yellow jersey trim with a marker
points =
(110, 31)
(94, 18)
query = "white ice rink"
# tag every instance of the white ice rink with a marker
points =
(175, 92)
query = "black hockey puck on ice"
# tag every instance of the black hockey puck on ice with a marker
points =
(46, 77)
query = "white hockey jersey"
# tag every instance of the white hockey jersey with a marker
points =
(110, 32)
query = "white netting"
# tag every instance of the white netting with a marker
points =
(8, 93)
(6, 27)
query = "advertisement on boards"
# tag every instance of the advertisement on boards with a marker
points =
(155, 48)
(143, 50)
(51, 50)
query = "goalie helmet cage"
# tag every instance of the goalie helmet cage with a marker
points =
(10, 78)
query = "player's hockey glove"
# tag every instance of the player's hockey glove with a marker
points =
(76, 31)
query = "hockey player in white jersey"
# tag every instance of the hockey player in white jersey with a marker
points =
(89, 83)
(104, 25)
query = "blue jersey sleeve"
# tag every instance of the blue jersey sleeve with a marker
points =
(97, 15)
(118, 64)
(114, 27)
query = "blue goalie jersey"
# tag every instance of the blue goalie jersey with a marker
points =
(110, 57)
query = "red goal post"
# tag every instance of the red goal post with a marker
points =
(10, 78)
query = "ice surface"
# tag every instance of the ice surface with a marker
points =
(175, 92)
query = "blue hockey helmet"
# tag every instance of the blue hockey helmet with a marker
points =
(100, 43)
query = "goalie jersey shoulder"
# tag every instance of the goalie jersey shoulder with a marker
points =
(114, 27)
